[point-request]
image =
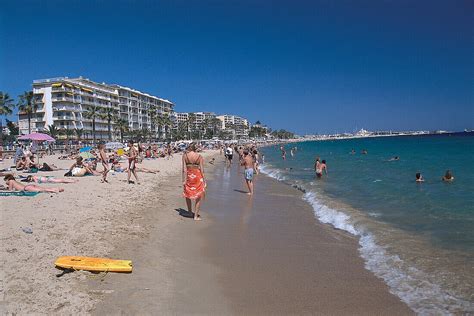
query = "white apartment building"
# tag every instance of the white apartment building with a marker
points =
(137, 108)
(200, 117)
(62, 102)
(237, 125)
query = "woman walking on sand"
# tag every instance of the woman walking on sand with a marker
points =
(194, 185)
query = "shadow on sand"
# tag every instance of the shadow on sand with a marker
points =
(184, 213)
(241, 191)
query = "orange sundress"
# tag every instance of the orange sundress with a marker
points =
(195, 187)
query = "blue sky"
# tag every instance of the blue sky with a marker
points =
(306, 66)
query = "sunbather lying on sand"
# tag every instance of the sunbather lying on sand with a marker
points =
(14, 185)
(117, 167)
(80, 169)
(48, 179)
(50, 167)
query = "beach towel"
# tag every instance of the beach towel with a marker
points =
(17, 193)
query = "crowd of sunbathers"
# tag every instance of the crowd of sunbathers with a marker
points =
(27, 162)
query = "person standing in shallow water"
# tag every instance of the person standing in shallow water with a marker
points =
(248, 163)
(194, 184)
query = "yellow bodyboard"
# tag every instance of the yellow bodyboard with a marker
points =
(94, 264)
(120, 152)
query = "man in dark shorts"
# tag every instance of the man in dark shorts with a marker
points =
(229, 154)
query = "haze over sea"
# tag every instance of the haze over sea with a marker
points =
(418, 237)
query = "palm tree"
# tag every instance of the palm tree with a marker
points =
(159, 124)
(153, 120)
(27, 105)
(93, 112)
(167, 123)
(79, 132)
(52, 131)
(216, 123)
(68, 132)
(108, 114)
(183, 130)
(6, 104)
(191, 124)
(122, 126)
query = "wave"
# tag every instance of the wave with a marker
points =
(410, 284)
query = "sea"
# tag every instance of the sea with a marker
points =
(417, 237)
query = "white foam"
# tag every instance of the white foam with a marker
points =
(271, 172)
(408, 283)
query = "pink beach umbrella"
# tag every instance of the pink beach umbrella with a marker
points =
(40, 137)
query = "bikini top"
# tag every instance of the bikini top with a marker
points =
(188, 163)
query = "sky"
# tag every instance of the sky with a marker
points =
(305, 66)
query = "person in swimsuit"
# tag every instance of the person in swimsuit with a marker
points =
(319, 167)
(248, 164)
(105, 164)
(448, 177)
(283, 152)
(256, 160)
(14, 185)
(21, 163)
(132, 160)
(79, 169)
(419, 177)
(48, 179)
(194, 183)
(229, 155)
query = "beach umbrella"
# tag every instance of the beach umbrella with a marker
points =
(86, 155)
(84, 149)
(40, 137)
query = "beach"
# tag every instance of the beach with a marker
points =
(260, 255)
(88, 219)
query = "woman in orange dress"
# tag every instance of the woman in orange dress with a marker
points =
(194, 184)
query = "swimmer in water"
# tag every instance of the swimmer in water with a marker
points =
(448, 177)
(394, 158)
(364, 152)
(353, 152)
(320, 167)
(419, 177)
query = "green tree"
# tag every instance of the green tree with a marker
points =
(79, 133)
(52, 131)
(158, 122)
(121, 125)
(108, 114)
(27, 105)
(6, 104)
(167, 124)
(68, 133)
(93, 112)
(182, 131)
(14, 130)
(191, 125)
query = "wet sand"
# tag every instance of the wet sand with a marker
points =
(265, 254)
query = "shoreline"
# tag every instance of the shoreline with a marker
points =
(227, 264)
(216, 266)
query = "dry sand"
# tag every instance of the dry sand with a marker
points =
(88, 219)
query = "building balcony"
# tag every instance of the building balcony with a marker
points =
(59, 99)
(64, 118)
(66, 108)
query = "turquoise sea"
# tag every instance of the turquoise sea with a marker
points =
(418, 237)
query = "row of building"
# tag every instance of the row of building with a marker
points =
(64, 102)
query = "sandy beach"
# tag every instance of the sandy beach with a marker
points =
(261, 255)
(88, 219)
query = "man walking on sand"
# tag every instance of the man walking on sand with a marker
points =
(248, 163)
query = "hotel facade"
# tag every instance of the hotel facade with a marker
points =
(63, 102)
